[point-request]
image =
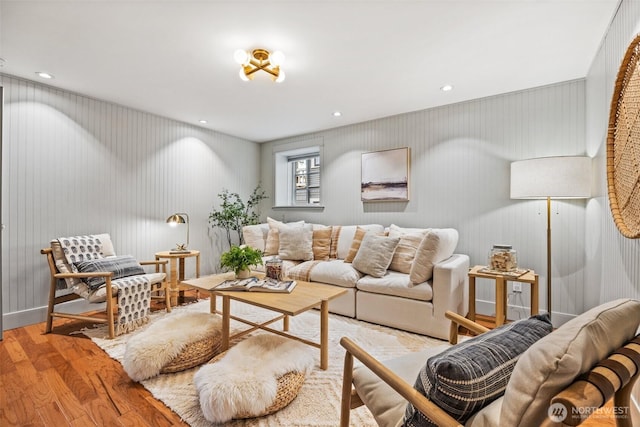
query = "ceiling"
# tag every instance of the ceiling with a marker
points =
(366, 59)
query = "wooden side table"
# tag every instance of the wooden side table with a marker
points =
(176, 271)
(501, 291)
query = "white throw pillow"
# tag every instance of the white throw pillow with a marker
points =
(375, 254)
(296, 243)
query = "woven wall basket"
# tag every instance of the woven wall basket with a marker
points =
(623, 145)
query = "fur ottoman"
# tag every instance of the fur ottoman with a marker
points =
(256, 377)
(177, 342)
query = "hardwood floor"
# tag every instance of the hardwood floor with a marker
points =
(63, 379)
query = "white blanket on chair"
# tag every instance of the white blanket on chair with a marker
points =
(245, 379)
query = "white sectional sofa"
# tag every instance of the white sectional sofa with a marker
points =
(423, 280)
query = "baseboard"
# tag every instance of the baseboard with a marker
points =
(19, 319)
(488, 308)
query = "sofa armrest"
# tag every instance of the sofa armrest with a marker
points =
(450, 285)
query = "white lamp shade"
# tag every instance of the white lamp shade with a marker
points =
(564, 177)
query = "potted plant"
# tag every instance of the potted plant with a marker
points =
(235, 213)
(240, 258)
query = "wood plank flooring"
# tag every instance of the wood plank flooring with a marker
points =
(63, 379)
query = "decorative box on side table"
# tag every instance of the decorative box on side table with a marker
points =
(501, 279)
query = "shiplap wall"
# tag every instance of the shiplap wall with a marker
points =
(613, 260)
(75, 165)
(460, 168)
(615, 271)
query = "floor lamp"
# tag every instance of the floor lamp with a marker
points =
(566, 177)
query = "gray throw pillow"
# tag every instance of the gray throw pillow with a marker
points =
(468, 376)
(375, 254)
(120, 266)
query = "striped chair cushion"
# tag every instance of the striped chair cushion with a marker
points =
(468, 376)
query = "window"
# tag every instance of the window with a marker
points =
(306, 180)
(297, 177)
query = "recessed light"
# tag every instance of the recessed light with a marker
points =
(2, 62)
(337, 114)
(204, 122)
(446, 88)
(44, 75)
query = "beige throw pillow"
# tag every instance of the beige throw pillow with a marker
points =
(425, 259)
(406, 252)
(296, 243)
(272, 244)
(375, 253)
(553, 362)
(355, 244)
(321, 243)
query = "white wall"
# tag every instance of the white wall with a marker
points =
(75, 165)
(460, 160)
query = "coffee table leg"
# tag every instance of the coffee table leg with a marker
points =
(212, 303)
(285, 323)
(324, 335)
(226, 322)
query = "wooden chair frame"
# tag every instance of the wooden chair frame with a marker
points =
(579, 394)
(111, 301)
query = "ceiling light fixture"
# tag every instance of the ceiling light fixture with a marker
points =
(2, 62)
(44, 75)
(446, 88)
(204, 122)
(260, 59)
(337, 114)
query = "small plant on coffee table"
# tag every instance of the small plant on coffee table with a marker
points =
(241, 258)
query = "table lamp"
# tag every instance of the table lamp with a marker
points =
(173, 221)
(563, 177)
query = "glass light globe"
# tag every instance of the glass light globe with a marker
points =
(281, 77)
(243, 76)
(276, 58)
(241, 57)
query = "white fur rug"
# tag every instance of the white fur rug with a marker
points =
(146, 354)
(245, 380)
(318, 402)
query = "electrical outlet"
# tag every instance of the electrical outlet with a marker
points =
(517, 287)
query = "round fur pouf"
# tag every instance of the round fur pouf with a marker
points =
(257, 377)
(177, 342)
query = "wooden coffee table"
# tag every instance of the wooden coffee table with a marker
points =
(305, 296)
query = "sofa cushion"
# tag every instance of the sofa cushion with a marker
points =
(555, 361)
(255, 235)
(335, 272)
(355, 244)
(344, 237)
(385, 404)
(436, 246)
(321, 242)
(296, 243)
(120, 266)
(396, 231)
(396, 284)
(375, 254)
(468, 376)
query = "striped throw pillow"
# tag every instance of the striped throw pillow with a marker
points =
(468, 376)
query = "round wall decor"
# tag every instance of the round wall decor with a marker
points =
(623, 145)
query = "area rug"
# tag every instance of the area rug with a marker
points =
(317, 404)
